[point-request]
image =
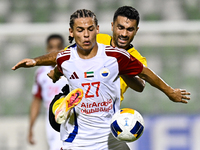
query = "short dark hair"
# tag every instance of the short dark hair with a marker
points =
(81, 13)
(127, 11)
(55, 36)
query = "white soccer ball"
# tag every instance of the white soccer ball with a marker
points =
(127, 125)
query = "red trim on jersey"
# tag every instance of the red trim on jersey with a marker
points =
(110, 48)
(38, 94)
(128, 64)
(61, 57)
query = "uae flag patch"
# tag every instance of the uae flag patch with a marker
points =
(89, 74)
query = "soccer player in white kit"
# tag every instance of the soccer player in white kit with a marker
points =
(88, 126)
(44, 91)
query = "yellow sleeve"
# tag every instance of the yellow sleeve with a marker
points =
(138, 56)
(103, 39)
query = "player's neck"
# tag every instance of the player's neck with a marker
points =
(87, 54)
(112, 43)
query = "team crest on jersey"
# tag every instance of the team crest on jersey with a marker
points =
(104, 72)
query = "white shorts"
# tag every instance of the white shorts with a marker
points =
(53, 138)
(110, 144)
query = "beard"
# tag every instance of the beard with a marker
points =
(122, 44)
(122, 41)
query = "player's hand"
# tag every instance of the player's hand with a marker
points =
(179, 95)
(26, 63)
(30, 138)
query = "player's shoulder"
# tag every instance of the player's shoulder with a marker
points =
(137, 55)
(115, 51)
(69, 47)
(66, 52)
(103, 38)
(133, 51)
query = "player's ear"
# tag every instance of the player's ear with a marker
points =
(97, 29)
(112, 26)
(136, 30)
(71, 32)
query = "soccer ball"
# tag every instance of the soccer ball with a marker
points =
(127, 125)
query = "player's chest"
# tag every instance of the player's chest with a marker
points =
(98, 69)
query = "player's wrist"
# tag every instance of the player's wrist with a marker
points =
(170, 93)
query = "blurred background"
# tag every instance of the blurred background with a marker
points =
(169, 38)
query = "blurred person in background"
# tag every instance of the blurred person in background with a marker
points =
(43, 91)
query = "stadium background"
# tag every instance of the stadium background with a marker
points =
(169, 37)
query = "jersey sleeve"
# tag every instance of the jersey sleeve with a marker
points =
(128, 65)
(61, 57)
(138, 56)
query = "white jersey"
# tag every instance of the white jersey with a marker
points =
(99, 79)
(45, 89)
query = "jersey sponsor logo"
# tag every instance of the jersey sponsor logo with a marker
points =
(104, 72)
(89, 108)
(74, 76)
(89, 74)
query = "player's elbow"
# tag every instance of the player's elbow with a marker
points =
(137, 84)
(138, 88)
(141, 89)
(142, 86)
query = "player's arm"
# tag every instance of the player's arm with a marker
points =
(176, 95)
(34, 112)
(44, 60)
(135, 83)
(131, 66)
(55, 74)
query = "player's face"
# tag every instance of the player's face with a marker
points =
(55, 44)
(84, 32)
(124, 30)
